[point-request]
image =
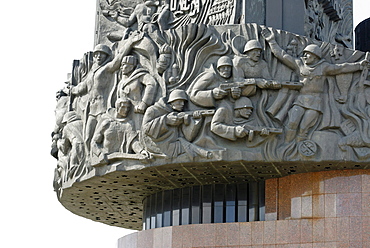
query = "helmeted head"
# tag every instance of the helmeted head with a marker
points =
(253, 50)
(128, 64)
(314, 49)
(101, 53)
(310, 50)
(224, 66)
(122, 107)
(252, 44)
(177, 99)
(243, 107)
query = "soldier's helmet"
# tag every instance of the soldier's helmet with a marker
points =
(252, 44)
(103, 48)
(243, 102)
(314, 49)
(130, 60)
(224, 60)
(177, 95)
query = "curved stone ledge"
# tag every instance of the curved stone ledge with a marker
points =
(115, 198)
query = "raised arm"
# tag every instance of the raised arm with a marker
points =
(335, 69)
(128, 44)
(279, 53)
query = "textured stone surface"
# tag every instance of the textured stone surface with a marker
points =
(330, 229)
(191, 94)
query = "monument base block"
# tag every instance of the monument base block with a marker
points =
(318, 209)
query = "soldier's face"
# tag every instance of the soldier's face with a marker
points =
(225, 71)
(254, 54)
(123, 109)
(126, 68)
(245, 112)
(100, 57)
(162, 63)
(310, 58)
(178, 105)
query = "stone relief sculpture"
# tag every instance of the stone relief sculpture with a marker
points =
(72, 146)
(171, 129)
(313, 71)
(136, 84)
(199, 93)
(234, 123)
(327, 20)
(116, 136)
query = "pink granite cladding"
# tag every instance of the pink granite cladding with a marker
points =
(330, 194)
(327, 232)
(320, 209)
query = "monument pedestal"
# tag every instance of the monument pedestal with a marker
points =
(317, 209)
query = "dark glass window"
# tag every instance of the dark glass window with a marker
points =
(167, 207)
(185, 208)
(176, 207)
(230, 196)
(219, 198)
(195, 205)
(205, 204)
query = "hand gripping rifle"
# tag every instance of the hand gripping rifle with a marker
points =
(256, 130)
(197, 114)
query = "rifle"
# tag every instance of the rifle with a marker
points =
(244, 83)
(291, 85)
(256, 81)
(200, 113)
(73, 82)
(254, 130)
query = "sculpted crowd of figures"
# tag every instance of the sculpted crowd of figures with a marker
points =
(207, 93)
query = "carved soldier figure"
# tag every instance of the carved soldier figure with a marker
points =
(313, 71)
(60, 110)
(172, 130)
(94, 90)
(205, 91)
(165, 66)
(116, 133)
(99, 82)
(72, 143)
(136, 84)
(142, 15)
(234, 123)
(251, 65)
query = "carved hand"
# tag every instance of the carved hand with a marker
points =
(263, 84)
(197, 115)
(364, 63)
(140, 108)
(240, 132)
(219, 93)
(236, 92)
(136, 36)
(73, 90)
(173, 120)
(145, 153)
(268, 35)
(113, 14)
(264, 132)
(274, 85)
